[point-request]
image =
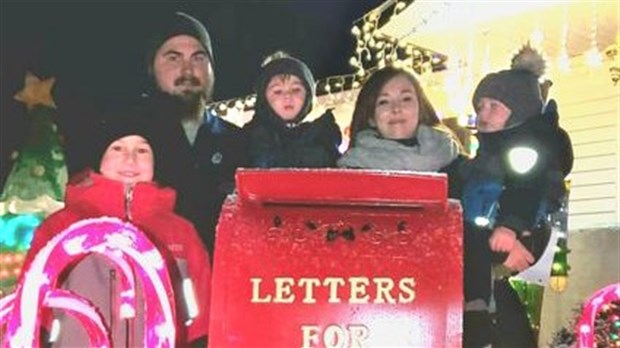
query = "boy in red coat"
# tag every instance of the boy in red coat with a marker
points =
(124, 188)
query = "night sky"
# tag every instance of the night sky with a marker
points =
(95, 49)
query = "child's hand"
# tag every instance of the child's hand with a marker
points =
(502, 239)
(519, 258)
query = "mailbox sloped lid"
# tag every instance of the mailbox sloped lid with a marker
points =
(341, 187)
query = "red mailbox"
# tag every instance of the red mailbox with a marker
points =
(338, 258)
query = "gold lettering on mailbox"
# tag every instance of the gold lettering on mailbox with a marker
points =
(309, 284)
(284, 291)
(407, 293)
(333, 284)
(358, 290)
(384, 286)
(334, 336)
(386, 290)
(256, 292)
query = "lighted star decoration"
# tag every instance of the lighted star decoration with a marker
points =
(36, 92)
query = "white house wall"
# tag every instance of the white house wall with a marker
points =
(590, 112)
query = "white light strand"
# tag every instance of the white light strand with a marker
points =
(593, 56)
(417, 26)
(563, 58)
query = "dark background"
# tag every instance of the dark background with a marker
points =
(95, 50)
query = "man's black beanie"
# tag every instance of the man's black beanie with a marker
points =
(176, 24)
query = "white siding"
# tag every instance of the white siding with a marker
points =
(589, 111)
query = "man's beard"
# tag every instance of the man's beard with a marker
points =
(189, 104)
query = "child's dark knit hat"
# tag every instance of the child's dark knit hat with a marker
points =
(116, 125)
(517, 88)
(176, 24)
(281, 63)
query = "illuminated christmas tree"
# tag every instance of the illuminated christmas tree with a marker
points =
(36, 184)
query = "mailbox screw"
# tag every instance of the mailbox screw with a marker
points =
(402, 225)
(331, 235)
(366, 227)
(311, 225)
(348, 234)
(277, 221)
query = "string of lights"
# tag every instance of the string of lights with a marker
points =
(373, 51)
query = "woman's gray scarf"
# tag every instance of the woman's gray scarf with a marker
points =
(436, 148)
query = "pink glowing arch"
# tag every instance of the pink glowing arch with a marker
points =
(76, 306)
(585, 326)
(122, 243)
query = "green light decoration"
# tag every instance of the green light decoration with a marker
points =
(35, 187)
(531, 296)
(560, 266)
(39, 169)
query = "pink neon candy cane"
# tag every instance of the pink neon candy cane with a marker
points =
(76, 306)
(151, 267)
(104, 236)
(39, 279)
(585, 326)
(6, 305)
(156, 326)
(127, 283)
(84, 311)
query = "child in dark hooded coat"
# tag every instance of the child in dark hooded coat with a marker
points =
(277, 135)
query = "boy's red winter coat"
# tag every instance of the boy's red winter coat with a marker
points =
(151, 209)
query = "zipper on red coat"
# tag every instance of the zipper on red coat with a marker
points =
(112, 303)
(128, 323)
(128, 201)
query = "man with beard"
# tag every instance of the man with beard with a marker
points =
(200, 151)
